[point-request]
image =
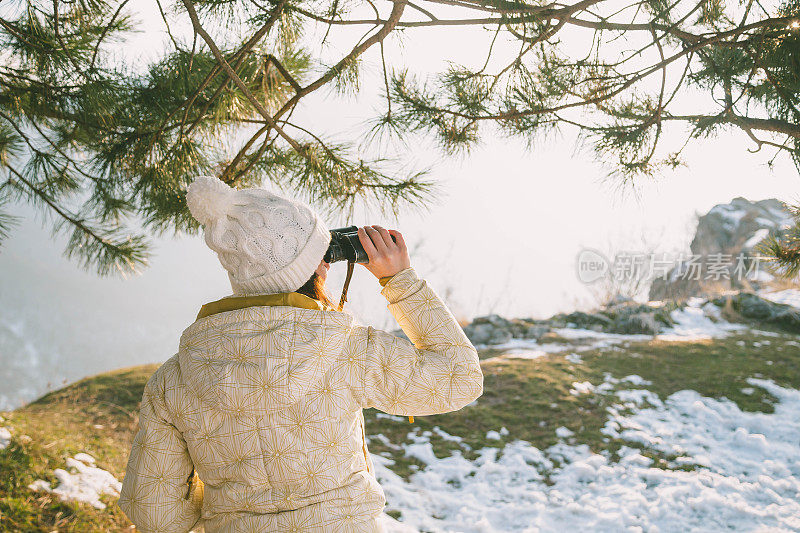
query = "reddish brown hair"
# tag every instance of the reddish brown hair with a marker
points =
(315, 288)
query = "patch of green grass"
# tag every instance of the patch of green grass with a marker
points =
(97, 415)
(531, 397)
(717, 368)
(394, 513)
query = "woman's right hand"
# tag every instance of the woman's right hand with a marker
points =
(386, 257)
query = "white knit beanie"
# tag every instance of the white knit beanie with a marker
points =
(267, 243)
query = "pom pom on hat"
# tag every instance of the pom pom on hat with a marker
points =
(266, 242)
(209, 199)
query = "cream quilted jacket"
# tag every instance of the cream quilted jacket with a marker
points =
(263, 404)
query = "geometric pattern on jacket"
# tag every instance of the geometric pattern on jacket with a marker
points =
(264, 405)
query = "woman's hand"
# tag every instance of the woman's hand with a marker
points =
(386, 257)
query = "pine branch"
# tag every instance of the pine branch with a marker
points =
(234, 77)
(107, 251)
(7, 220)
(784, 249)
(130, 143)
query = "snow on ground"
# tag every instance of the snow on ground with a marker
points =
(86, 484)
(747, 476)
(5, 437)
(578, 340)
(527, 348)
(600, 338)
(788, 296)
(490, 435)
(393, 526)
(698, 320)
(581, 387)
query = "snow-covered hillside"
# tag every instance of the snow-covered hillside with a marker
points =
(694, 428)
(744, 476)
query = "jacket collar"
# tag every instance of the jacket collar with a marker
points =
(231, 303)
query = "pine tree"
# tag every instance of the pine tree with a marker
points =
(99, 148)
(93, 143)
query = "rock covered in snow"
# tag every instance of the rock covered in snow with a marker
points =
(753, 306)
(732, 228)
(627, 320)
(693, 320)
(625, 317)
(622, 316)
(494, 329)
(638, 323)
(581, 319)
(786, 296)
(487, 333)
(739, 225)
(632, 318)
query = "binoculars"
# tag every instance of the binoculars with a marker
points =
(345, 246)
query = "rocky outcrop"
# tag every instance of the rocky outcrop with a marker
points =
(754, 307)
(627, 317)
(739, 225)
(596, 321)
(494, 329)
(624, 317)
(731, 229)
(632, 317)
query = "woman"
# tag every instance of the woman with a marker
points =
(263, 401)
